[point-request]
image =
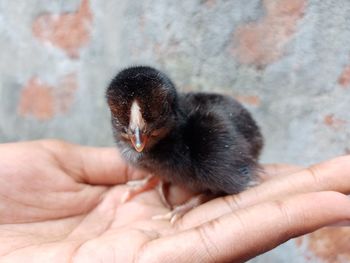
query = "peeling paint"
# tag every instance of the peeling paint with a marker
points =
(69, 31)
(263, 42)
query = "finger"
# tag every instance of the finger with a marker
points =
(333, 175)
(271, 171)
(249, 232)
(91, 165)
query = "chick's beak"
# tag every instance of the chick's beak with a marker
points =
(138, 140)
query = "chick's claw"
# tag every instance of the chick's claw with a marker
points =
(163, 188)
(181, 210)
(139, 186)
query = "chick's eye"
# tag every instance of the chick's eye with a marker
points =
(124, 133)
(156, 133)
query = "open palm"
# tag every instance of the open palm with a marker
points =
(61, 202)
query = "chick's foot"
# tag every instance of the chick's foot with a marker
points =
(181, 210)
(139, 186)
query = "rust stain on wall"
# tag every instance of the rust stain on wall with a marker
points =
(344, 79)
(333, 122)
(43, 101)
(250, 100)
(37, 100)
(261, 43)
(299, 241)
(69, 31)
(209, 3)
(330, 244)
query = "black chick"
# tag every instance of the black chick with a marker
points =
(206, 142)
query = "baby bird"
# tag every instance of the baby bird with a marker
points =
(205, 142)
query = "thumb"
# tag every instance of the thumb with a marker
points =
(92, 165)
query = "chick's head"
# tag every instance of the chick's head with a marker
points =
(143, 103)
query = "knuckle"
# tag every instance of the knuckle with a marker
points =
(209, 247)
(285, 213)
(313, 172)
(232, 202)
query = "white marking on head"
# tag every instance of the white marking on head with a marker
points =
(136, 119)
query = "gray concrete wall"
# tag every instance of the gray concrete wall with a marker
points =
(288, 61)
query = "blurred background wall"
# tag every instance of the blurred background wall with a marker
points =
(287, 61)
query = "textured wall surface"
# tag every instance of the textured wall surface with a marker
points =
(288, 61)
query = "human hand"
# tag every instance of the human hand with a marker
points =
(61, 202)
